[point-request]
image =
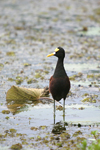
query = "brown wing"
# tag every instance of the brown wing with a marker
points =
(59, 87)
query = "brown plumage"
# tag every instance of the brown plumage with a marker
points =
(59, 84)
(59, 87)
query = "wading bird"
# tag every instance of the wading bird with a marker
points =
(59, 84)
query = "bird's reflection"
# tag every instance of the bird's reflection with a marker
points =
(58, 128)
(55, 119)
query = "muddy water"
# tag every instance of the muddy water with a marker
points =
(28, 33)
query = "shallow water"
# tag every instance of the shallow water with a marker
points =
(28, 33)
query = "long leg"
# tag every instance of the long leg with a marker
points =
(63, 110)
(54, 111)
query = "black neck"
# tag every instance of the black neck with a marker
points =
(59, 71)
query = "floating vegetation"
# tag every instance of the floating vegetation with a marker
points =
(26, 64)
(17, 98)
(1, 65)
(34, 128)
(13, 130)
(74, 77)
(18, 80)
(86, 94)
(46, 71)
(20, 93)
(1, 136)
(65, 136)
(5, 111)
(97, 77)
(85, 28)
(19, 28)
(59, 107)
(81, 108)
(77, 133)
(90, 76)
(11, 79)
(37, 75)
(38, 138)
(89, 99)
(58, 129)
(10, 53)
(97, 11)
(11, 41)
(29, 81)
(59, 144)
(43, 127)
(31, 38)
(7, 117)
(17, 146)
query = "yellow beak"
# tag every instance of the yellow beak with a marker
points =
(52, 54)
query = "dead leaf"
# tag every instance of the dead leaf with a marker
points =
(22, 93)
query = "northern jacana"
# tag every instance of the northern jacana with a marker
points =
(59, 84)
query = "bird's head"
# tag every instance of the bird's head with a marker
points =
(59, 52)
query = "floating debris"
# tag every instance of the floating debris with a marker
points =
(22, 93)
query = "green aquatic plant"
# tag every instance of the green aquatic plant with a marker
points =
(26, 64)
(95, 145)
(10, 53)
(1, 65)
(83, 145)
(13, 130)
(77, 133)
(5, 111)
(91, 98)
(7, 117)
(17, 146)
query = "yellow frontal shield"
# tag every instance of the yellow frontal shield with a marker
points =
(52, 54)
(57, 49)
